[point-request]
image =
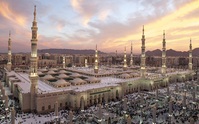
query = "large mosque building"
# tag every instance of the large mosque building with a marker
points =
(37, 90)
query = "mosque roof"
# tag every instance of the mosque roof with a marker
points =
(77, 80)
(53, 69)
(43, 69)
(108, 81)
(40, 73)
(75, 75)
(63, 76)
(48, 77)
(51, 72)
(62, 71)
(125, 75)
(92, 79)
(61, 82)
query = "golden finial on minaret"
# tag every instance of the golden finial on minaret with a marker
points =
(9, 34)
(143, 30)
(163, 34)
(35, 13)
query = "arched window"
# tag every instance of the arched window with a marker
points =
(49, 106)
(43, 108)
(60, 104)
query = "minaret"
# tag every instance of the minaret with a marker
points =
(12, 115)
(86, 63)
(190, 56)
(131, 61)
(125, 65)
(143, 58)
(164, 55)
(116, 57)
(9, 64)
(96, 68)
(33, 65)
(64, 65)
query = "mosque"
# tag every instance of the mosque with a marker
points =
(37, 90)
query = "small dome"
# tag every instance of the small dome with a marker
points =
(62, 71)
(125, 75)
(75, 75)
(48, 77)
(43, 69)
(51, 72)
(46, 54)
(53, 69)
(92, 79)
(63, 76)
(77, 81)
(62, 82)
(39, 73)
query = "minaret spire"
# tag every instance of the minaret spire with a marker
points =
(116, 57)
(190, 56)
(33, 64)
(9, 64)
(125, 65)
(143, 58)
(86, 62)
(64, 65)
(143, 30)
(35, 13)
(131, 59)
(96, 68)
(163, 54)
(9, 34)
(163, 34)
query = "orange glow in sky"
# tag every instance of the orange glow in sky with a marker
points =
(112, 24)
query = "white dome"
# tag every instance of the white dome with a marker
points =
(48, 77)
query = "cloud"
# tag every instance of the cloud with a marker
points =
(91, 8)
(8, 13)
(112, 24)
(116, 34)
(103, 15)
(78, 5)
(58, 22)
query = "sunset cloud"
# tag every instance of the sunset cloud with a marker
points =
(103, 15)
(112, 24)
(11, 15)
(89, 9)
(176, 25)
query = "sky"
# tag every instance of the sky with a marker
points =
(111, 24)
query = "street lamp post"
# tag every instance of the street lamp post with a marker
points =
(154, 115)
(170, 111)
(184, 102)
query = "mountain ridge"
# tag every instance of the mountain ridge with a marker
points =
(156, 52)
(171, 52)
(68, 51)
